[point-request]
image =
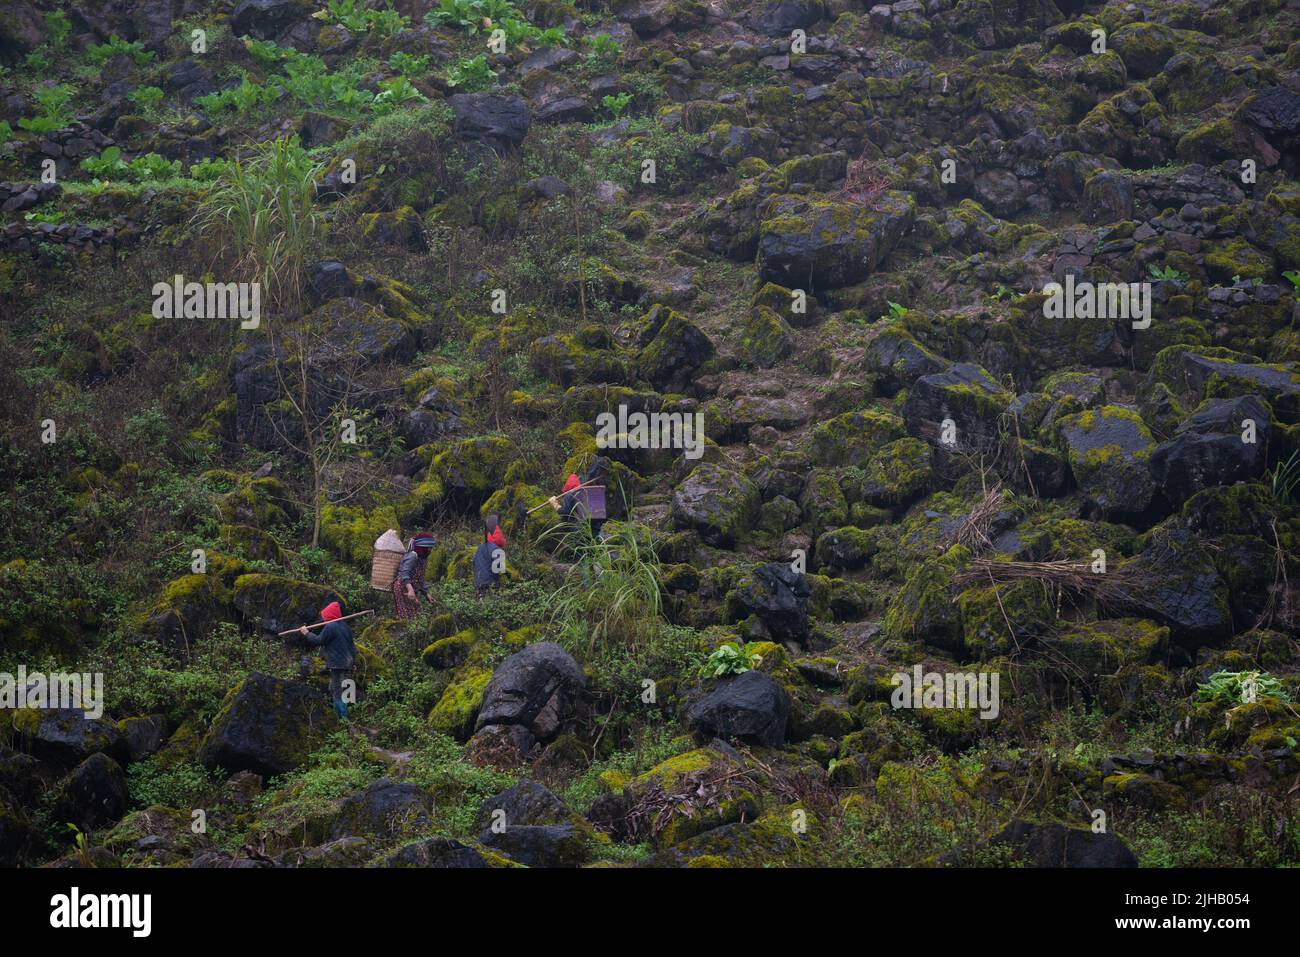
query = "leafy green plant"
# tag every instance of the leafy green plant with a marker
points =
(52, 102)
(152, 167)
(108, 165)
(208, 170)
(82, 840)
(101, 53)
(263, 209)
(615, 105)
(394, 92)
(6, 132)
(181, 785)
(461, 13)
(470, 74)
(308, 81)
(148, 98)
(267, 52)
(1232, 687)
(1166, 273)
(603, 48)
(729, 659)
(58, 28)
(356, 17)
(896, 312)
(409, 65)
(1293, 277)
(245, 97)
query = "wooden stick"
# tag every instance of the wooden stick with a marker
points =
(548, 501)
(291, 631)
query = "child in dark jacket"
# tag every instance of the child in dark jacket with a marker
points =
(490, 557)
(338, 650)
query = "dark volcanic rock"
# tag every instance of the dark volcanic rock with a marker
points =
(778, 595)
(501, 121)
(821, 244)
(1211, 448)
(779, 18)
(436, 852)
(1055, 845)
(750, 706)
(65, 736)
(267, 726)
(93, 795)
(534, 688)
(717, 502)
(956, 409)
(678, 348)
(539, 845)
(264, 19)
(1109, 451)
(384, 808)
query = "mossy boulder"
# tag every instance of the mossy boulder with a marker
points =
(1180, 585)
(349, 330)
(818, 244)
(846, 547)
(186, 611)
(895, 474)
(569, 360)
(472, 469)
(674, 350)
(400, 227)
(957, 409)
(1103, 647)
(823, 502)
(851, 437)
(1109, 451)
(450, 652)
(899, 360)
(65, 736)
(268, 726)
(1144, 47)
(93, 795)
(766, 338)
(997, 619)
(457, 709)
(923, 609)
(719, 503)
(276, 603)
(352, 530)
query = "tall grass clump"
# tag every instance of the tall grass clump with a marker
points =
(262, 213)
(612, 592)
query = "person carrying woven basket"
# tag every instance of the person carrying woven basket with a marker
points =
(408, 586)
(569, 502)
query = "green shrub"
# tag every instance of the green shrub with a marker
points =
(101, 53)
(241, 99)
(148, 98)
(54, 114)
(182, 786)
(470, 74)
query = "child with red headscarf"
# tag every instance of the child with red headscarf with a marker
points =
(338, 650)
(490, 556)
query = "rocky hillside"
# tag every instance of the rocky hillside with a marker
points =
(988, 312)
